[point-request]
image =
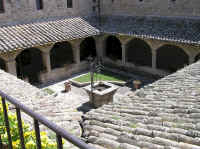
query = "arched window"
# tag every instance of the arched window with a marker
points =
(171, 58)
(139, 52)
(87, 48)
(61, 54)
(2, 6)
(39, 4)
(29, 64)
(113, 48)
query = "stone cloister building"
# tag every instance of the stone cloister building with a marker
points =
(46, 40)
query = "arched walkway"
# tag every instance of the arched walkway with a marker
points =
(87, 48)
(2, 64)
(113, 48)
(139, 52)
(29, 64)
(171, 58)
(61, 54)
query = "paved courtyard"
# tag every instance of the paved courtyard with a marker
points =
(75, 103)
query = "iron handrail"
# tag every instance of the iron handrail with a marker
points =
(38, 117)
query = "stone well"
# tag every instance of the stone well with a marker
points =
(102, 93)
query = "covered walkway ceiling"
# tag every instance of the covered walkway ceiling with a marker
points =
(44, 32)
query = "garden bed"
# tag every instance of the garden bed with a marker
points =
(85, 79)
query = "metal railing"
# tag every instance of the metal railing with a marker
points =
(37, 118)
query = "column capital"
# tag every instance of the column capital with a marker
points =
(10, 56)
(76, 42)
(46, 48)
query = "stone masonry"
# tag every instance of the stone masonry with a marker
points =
(163, 115)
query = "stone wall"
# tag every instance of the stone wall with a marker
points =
(151, 7)
(25, 10)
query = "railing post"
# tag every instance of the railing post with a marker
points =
(20, 129)
(37, 133)
(60, 132)
(59, 142)
(1, 143)
(7, 123)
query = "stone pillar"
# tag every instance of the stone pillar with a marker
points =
(154, 59)
(123, 54)
(76, 52)
(46, 60)
(11, 67)
(191, 59)
(100, 46)
(46, 56)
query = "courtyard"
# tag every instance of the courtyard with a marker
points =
(75, 103)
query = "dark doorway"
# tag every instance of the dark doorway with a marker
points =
(171, 58)
(29, 64)
(2, 64)
(139, 53)
(87, 48)
(61, 54)
(113, 48)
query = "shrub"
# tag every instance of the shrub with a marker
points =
(29, 135)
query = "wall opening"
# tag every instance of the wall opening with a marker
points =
(69, 3)
(87, 48)
(113, 48)
(2, 10)
(2, 64)
(139, 52)
(197, 57)
(61, 54)
(171, 58)
(29, 65)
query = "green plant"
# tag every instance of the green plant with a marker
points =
(48, 91)
(29, 135)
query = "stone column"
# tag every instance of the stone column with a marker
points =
(191, 59)
(46, 60)
(154, 59)
(11, 67)
(100, 46)
(76, 52)
(46, 56)
(123, 54)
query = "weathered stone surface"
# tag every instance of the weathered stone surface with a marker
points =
(166, 117)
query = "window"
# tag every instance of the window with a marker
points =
(39, 4)
(69, 4)
(94, 8)
(1, 6)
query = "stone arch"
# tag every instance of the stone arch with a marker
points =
(113, 48)
(2, 64)
(29, 63)
(87, 48)
(139, 52)
(61, 54)
(171, 58)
